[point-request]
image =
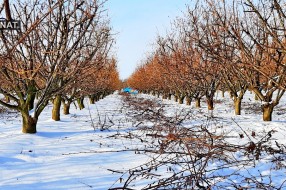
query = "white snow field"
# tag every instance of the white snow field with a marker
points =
(65, 154)
(75, 153)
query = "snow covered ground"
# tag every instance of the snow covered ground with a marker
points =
(68, 154)
(75, 153)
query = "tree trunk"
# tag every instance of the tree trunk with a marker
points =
(29, 123)
(169, 96)
(267, 112)
(97, 98)
(158, 95)
(56, 108)
(92, 99)
(176, 98)
(210, 103)
(198, 102)
(32, 91)
(80, 103)
(256, 97)
(104, 94)
(181, 99)
(222, 94)
(237, 106)
(7, 99)
(38, 95)
(230, 94)
(31, 103)
(188, 101)
(66, 110)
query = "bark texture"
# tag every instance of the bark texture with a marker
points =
(29, 124)
(56, 108)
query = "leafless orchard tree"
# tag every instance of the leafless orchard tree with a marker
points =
(237, 45)
(193, 70)
(213, 38)
(55, 47)
(264, 30)
(256, 30)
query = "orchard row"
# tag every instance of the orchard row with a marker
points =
(231, 46)
(62, 53)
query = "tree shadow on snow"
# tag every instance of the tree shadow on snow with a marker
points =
(56, 134)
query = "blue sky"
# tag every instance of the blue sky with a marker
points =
(138, 22)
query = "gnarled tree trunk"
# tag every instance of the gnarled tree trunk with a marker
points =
(181, 99)
(169, 96)
(256, 97)
(80, 103)
(66, 109)
(7, 99)
(31, 103)
(210, 103)
(29, 123)
(56, 108)
(198, 102)
(231, 94)
(176, 98)
(237, 106)
(92, 99)
(32, 90)
(267, 112)
(97, 98)
(188, 100)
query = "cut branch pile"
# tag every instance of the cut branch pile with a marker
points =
(195, 157)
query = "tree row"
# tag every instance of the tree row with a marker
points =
(61, 54)
(231, 46)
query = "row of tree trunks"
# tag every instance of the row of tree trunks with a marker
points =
(58, 100)
(267, 108)
(29, 122)
(210, 102)
(180, 99)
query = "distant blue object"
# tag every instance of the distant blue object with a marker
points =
(127, 89)
(130, 90)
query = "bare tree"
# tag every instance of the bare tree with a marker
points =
(61, 40)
